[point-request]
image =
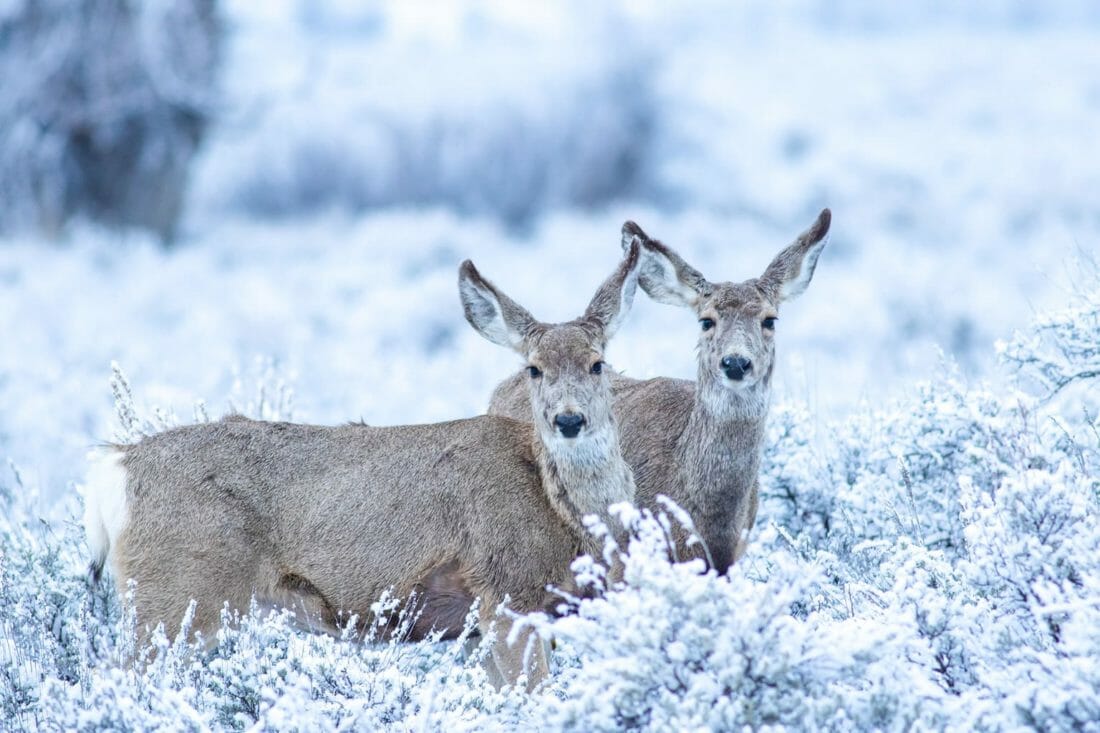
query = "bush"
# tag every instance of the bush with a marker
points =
(105, 104)
(541, 128)
(927, 565)
(1061, 350)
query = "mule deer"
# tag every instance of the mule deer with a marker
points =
(699, 443)
(323, 520)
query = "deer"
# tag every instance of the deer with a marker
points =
(323, 520)
(700, 443)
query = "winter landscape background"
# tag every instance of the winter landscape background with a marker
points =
(928, 550)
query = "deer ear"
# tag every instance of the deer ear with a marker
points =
(492, 313)
(664, 275)
(632, 231)
(790, 272)
(611, 304)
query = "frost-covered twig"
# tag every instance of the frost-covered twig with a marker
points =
(131, 427)
(1061, 348)
(272, 396)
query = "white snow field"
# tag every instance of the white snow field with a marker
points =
(928, 550)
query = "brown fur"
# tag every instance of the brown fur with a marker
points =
(699, 442)
(323, 520)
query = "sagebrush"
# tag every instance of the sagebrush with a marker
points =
(931, 563)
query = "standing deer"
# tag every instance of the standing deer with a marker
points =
(699, 443)
(324, 520)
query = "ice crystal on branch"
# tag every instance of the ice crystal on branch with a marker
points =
(1062, 347)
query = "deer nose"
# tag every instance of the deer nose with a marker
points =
(569, 424)
(736, 367)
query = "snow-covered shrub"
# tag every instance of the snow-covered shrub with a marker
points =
(550, 121)
(927, 564)
(678, 650)
(893, 470)
(268, 396)
(52, 626)
(105, 103)
(971, 517)
(1059, 354)
(265, 674)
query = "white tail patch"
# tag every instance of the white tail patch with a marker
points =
(104, 505)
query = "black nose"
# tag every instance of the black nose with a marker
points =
(569, 424)
(736, 367)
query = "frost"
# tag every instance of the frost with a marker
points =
(109, 136)
(922, 565)
(1061, 349)
(927, 551)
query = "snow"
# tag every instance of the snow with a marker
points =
(360, 153)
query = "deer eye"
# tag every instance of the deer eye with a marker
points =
(768, 323)
(706, 323)
(597, 368)
(534, 371)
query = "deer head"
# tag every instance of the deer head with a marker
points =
(569, 388)
(737, 321)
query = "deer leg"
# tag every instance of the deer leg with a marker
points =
(527, 655)
(743, 540)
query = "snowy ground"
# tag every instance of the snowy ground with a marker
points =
(364, 154)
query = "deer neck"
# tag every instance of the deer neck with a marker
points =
(719, 450)
(584, 476)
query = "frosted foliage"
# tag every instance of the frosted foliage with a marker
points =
(108, 136)
(558, 117)
(927, 564)
(968, 516)
(677, 650)
(927, 553)
(941, 431)
(1059, 356)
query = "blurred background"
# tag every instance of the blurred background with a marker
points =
(227, 196)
